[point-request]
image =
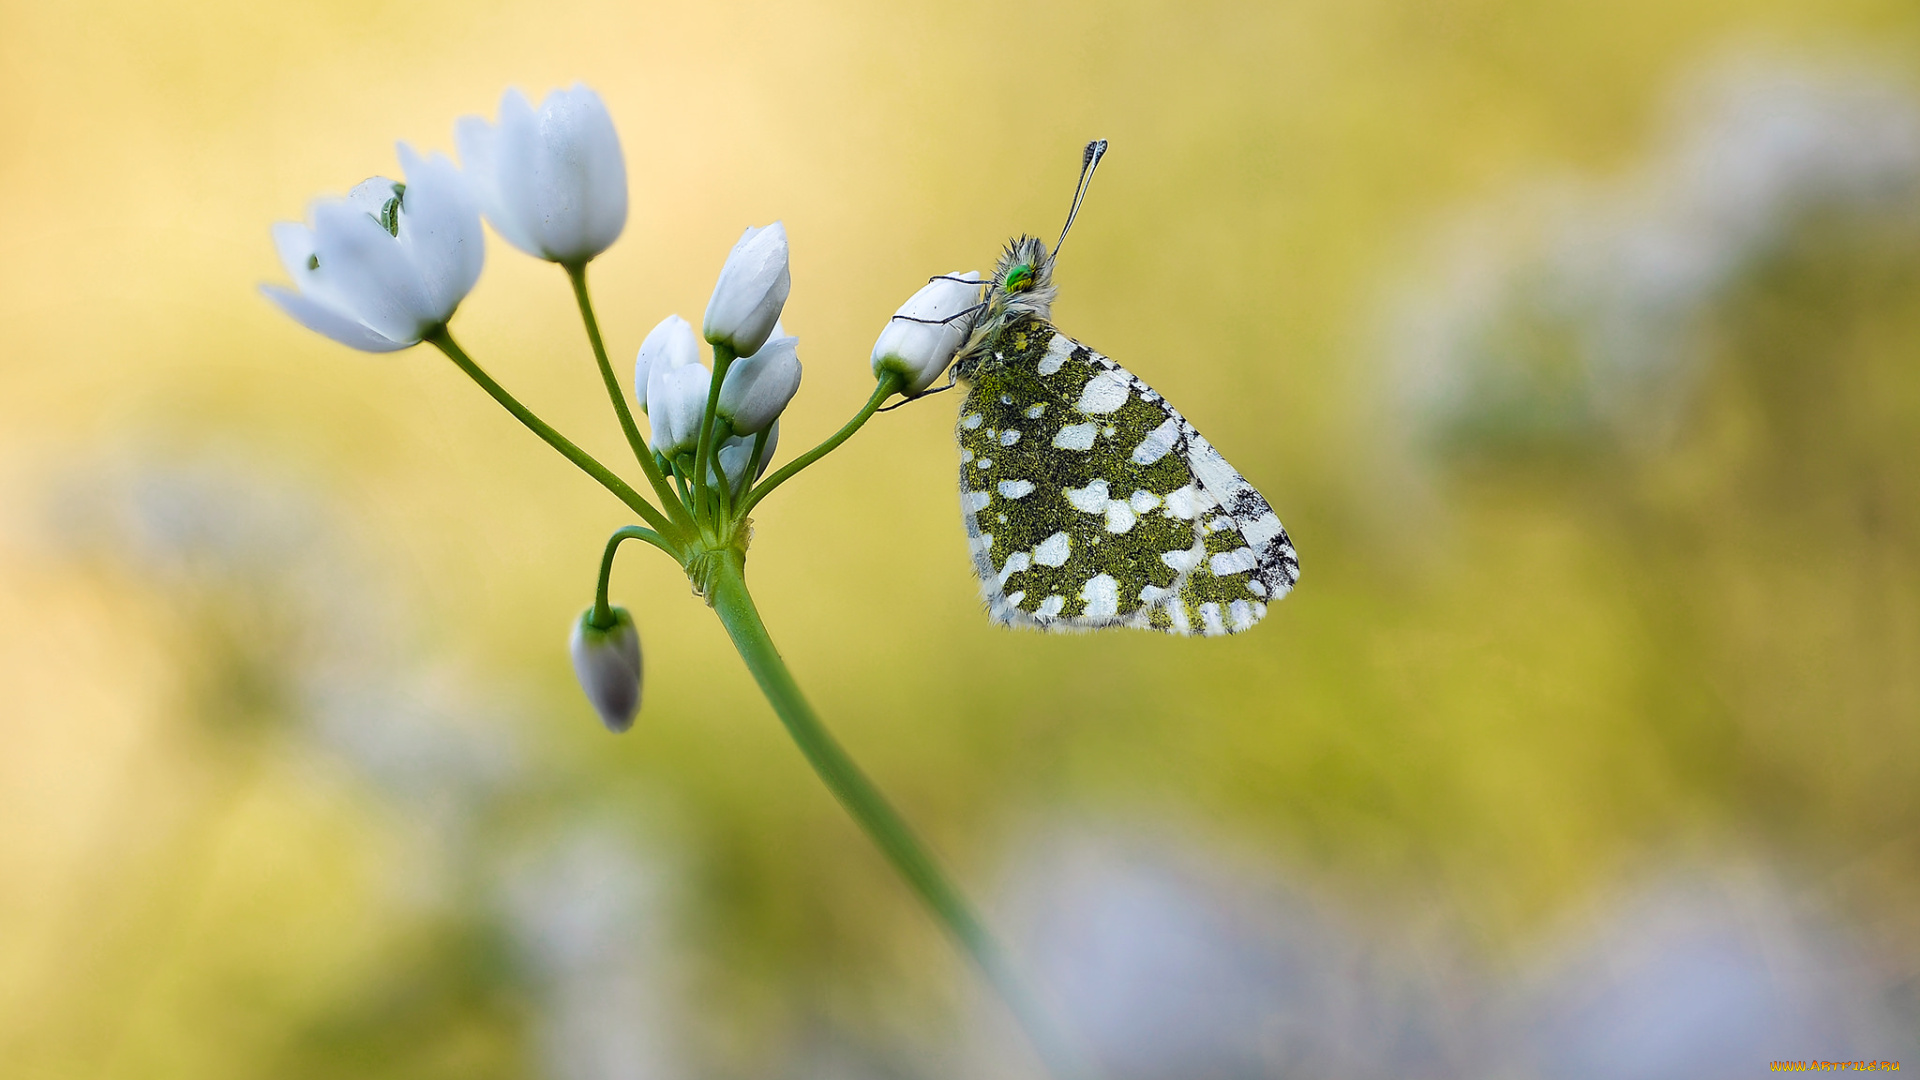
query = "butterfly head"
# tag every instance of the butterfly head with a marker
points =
(1023, 281)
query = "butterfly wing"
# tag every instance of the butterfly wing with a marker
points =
(1091, 502)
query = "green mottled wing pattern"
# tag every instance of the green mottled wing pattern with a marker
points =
(1090, 502)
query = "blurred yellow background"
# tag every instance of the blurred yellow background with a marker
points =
(1574, 343)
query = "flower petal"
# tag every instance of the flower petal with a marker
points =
(440, 233)
(367, 271)
(319, 318)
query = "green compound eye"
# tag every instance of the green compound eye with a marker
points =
(1018, 278)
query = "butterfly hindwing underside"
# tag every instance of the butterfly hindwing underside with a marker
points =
(1090, 502)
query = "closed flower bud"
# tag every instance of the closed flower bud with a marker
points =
(671, 344)
(553, 182)
(733, 455)
(677, 397)
(384, 267)
(757, 388)
(751, 291)
(607, 663)
(922, 337)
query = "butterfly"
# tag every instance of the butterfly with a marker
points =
(1089, 500)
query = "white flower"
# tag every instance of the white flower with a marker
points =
(607, 663)
(553, 183)
(387, 265)
(915, 344)
(756, 388)
(751, 291)
(733, 455)
(669, 345)
(677, 400)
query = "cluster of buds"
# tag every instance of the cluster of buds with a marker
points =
(385, 268)
(762, 366)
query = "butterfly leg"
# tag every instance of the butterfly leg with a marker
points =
(961, 314)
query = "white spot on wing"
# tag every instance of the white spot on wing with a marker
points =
(1188, 502)
(1212, 470)
(1240, 614)
(1183, 560)
(965, 455)
(1033, 411)
(1157, 443)
(1102, 595)
(1053, 550)
(1091, 499)
(1262, 529)
(1016, 562)
(1103, 393)
(1120, 517)
(1008, 438)
(1051, 606)
(1210, 618)
(1075, 437)
(974, 501)
(1013, 599)
(970, 421)
(1143, 501)
(1233, 562)
(1057, 352)
(1016, 489)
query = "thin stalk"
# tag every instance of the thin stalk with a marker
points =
(881, 822)
(578, 276)
(722, 358)
(603, 611)
(443, 341)
(753, 464)
(888, 385)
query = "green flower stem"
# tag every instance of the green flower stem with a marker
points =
(602, 611)
(578, 276)
(722, 358)
(882, 823)
(753, 462)
(443, 341)
(889, 384)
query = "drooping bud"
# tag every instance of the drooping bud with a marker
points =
(751, 291)
(669, 345)
(677, 400)
(757, 388)
(922, 337)
(606, 660)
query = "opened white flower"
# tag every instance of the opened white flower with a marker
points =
(757, 388)
(677, 400)
(922, 337)
(387, 265)
(751, 291)
(607, 663)
(552, 182)
(671, 344)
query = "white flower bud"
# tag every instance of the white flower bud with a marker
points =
(678, 400)
(757, 388)
(387, 265)
(607, 663)
(553, 182)
(915, 343)
(751, 291)
(733, 455)
(670, 344)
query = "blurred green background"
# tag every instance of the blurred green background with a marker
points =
(1575, 344)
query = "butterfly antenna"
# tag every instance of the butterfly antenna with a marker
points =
(1094, 152)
